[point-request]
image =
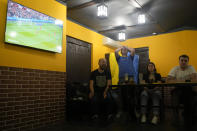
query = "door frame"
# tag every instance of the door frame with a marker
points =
(91, 50)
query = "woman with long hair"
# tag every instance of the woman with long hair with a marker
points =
(150, 92)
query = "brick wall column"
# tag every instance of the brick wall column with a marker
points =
(31, 98)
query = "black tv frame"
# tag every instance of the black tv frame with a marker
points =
(25, 45)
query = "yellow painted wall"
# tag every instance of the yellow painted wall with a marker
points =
(98, 50)
(165, 49)
(17, 56)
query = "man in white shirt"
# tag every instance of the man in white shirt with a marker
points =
(182, 73)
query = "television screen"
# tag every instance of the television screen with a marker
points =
(28, 27)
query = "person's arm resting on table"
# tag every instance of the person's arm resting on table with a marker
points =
(171, 76)
(91, 94)
(108, 84)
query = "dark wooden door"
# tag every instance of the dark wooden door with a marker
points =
(144, 58)
(78, 60)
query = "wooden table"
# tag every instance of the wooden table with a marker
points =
(177, 84)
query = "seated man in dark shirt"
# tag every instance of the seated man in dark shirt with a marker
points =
(99, 84)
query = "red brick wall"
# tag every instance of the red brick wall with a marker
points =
(31, 98)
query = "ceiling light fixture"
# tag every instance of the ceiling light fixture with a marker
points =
(141, 19)
(102, 10)
(135, 3)
(121, 36)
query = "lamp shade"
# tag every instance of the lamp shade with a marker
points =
(121, 36)
(102, 10)
(141, 19)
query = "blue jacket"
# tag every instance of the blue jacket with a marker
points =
(129, 65)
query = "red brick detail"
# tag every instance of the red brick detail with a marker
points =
(31, 98)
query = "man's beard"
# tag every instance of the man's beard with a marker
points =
(103, 67)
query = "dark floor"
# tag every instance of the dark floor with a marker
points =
(81, 126)
(117, 125)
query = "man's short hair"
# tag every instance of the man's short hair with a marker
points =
(184, 56)
(101, 59)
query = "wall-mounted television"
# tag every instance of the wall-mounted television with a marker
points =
(27, 27)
